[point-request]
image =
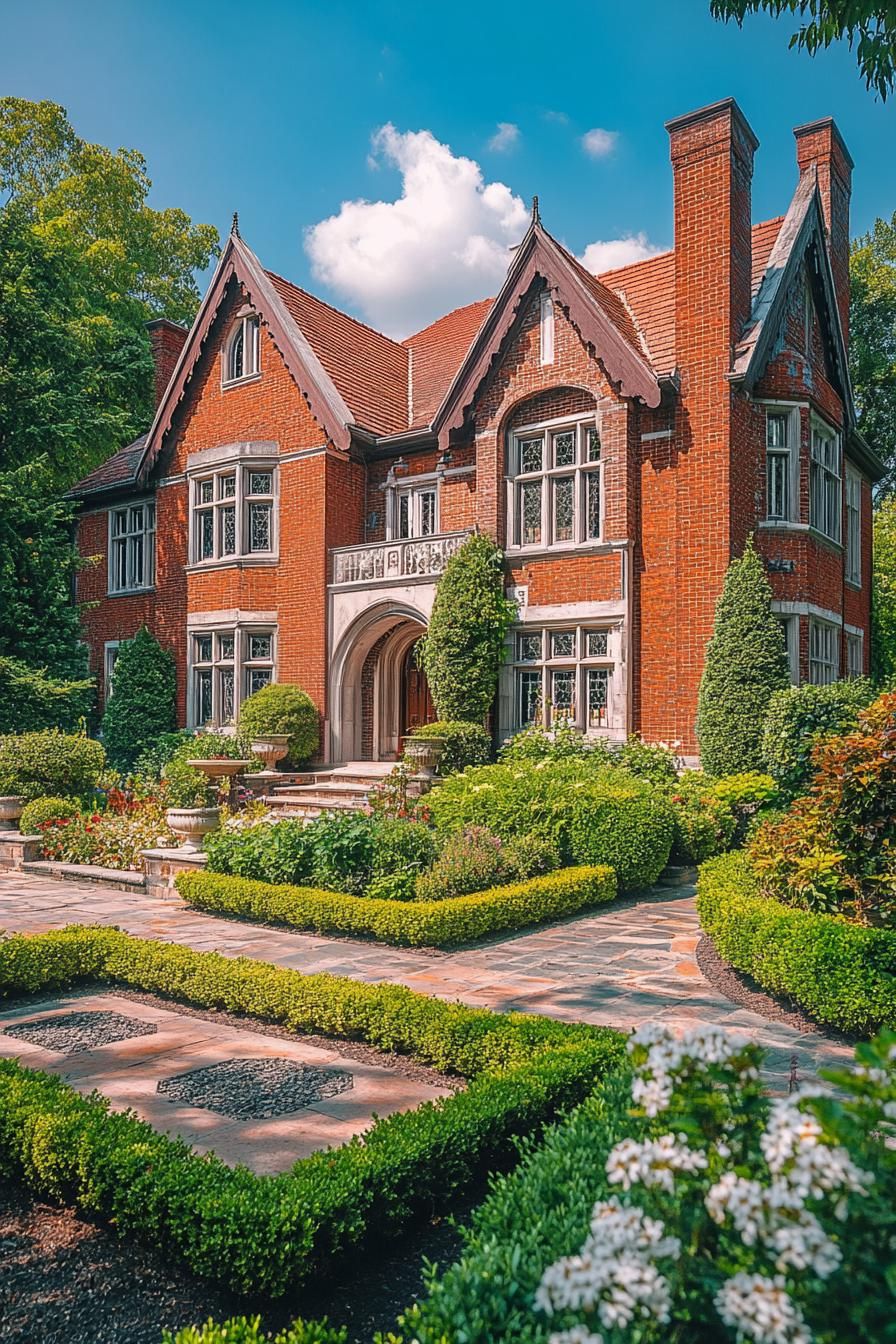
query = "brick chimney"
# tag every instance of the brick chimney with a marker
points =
(819, 143)
(167, 340)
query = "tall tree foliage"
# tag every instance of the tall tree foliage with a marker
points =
(746, 662)
(872, 339)
(143, 704)
(883, 595)
(869, 29)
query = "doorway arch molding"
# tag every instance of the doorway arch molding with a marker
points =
(404, 623)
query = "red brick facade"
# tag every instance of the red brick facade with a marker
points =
(363, 518)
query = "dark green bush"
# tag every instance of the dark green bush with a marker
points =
(151, 762)
(648, 760)
(413, 923)
(746, 663)
(402, 846)
(247, 1330)
(50, 764)
(30, 699)
(282, 709)
(41, 810)
(464, 647)
(798, 718)
(144, 703)
(282, 852)
(465, 744)
(267, 1235)
(842, 974)
(562, 743)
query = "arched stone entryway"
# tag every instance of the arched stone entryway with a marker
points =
(373, 686)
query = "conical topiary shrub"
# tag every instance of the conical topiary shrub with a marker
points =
(746, 662)
(143, 704)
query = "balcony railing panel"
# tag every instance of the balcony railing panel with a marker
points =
(408, 558)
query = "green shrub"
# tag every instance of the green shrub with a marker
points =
(185, 786)
(843, 975)
(247, 1330)
(50, 764)
(417, 923)
(402, 846)
(268, 1235)
(704, 825)
(150, 764)
(465, 744)
(562, 743)
(144, 703)
(750, 788)
(400, 886)
(589, 811)
(41, 810)
(282, 709)
(464, 647)
(649, 760)
(30, 699)
(471, 860)
(746, 662)
(277, 852)
(798, 718)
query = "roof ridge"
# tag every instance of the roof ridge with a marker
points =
(275, 275)
(461, 308)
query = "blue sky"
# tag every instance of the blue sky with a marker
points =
(270, 108)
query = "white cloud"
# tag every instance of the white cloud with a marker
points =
(598, 143)
(443, 243)
(558, 118)
(606, 256)
(505, 137)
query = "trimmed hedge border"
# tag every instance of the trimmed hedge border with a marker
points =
(268, 1234)
(459, 919)
(842, 974)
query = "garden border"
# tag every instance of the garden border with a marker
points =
(457, 919)
(269, 1234)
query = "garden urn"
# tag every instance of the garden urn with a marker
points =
(11, 808)
(271, 749)
(424, 754)
(192, 824)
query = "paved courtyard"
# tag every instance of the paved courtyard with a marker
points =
(620, 966)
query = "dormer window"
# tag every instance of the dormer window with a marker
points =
(241, 356)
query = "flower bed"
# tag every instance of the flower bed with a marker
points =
(269, 1234)
(405, 923)
(842, 974)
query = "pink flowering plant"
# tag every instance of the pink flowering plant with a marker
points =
(113, 838)
(732, 1216)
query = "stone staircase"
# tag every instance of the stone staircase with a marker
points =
(339, 788)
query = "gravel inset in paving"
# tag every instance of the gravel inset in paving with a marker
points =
(255, 1089)
(70, 1033)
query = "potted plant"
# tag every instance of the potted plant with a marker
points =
(423, 752)
(191, 805)
(12, 805)
(271, 748)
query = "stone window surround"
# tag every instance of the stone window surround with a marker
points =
(579, 470)
(149, 547)
(790, 409)
(241, 624)
(853, 515)
(819, 426)
(260, 455)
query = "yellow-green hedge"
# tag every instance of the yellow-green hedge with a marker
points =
(842, 974)
(459, 919)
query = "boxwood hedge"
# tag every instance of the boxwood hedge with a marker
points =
(269, 1234)
(458, 919)
(842, 974)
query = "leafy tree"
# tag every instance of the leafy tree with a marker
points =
(872, 339)
(869, 28)
(143, 704)
(883, 595)
(463, 649)
(31, 700)
(746, 662)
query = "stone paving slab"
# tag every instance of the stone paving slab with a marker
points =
(128, 1072)
(620, 965)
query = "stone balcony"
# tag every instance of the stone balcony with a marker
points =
(384, 561)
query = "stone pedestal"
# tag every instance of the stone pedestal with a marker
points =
(16, 850)
(163, 866)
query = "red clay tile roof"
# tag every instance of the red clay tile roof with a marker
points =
(368, 369)
(119, 469)
(436, 354)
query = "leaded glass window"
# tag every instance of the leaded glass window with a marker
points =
(564, 675)
(528, 696)
(259, 527)
(416, 512)
(233, 513)
(596, 643)
(556, 496)
(132, 545)
(226, 666)
(242, 350)
(528, 648)
(598, 696)
(228, 534)
(563, 695)
(563, 644)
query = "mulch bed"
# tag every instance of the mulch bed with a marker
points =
(67, 1280)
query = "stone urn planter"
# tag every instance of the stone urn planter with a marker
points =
(219, 768)
(192, 824)
(271, 748)
(12, 805)
(424, 754)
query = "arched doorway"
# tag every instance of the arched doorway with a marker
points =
(378, 692)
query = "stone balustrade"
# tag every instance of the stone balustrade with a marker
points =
(408, 558)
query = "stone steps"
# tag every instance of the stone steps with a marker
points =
(339, 789)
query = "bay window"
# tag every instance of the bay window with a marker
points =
(563, 676)
(555, 485)
(132, 547)
(782, 429)
(824, 481)
(226, 666)
(232, 513)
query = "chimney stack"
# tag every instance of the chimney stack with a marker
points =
(821, 145)
(167, 340)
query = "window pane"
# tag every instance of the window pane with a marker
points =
(563, 489)
(776, 431)
(136, 519)
(204, 695)
(259, 527)
(225, 648)
(592, 525)
(531, 454)
(150, 517)
(563, 694)
(252, 332)
(257, 678)
(528, 648)
(206, 492)
(226, 693)
(202, 648)
(206, 535)
(259, 647)
(427, 513)
(236, 355)
(778, 467)
(598, 697)
(528, 696)
(593, 445)
(597, 644)
(530, 513)
(563, 644)
(136, 574)
(121, 564)
(227, 486)
(261, 483)
(119, 523)
(404, 515)
(228, 530)
(565, 448)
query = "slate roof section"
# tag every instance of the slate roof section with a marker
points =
(118, 470)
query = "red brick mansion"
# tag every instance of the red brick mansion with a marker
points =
(305, 478)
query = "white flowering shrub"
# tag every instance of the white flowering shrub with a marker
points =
(730, 1215)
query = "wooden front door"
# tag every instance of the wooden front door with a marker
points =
(416, 701)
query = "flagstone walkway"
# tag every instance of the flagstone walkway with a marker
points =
(620, 966)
